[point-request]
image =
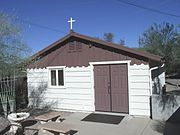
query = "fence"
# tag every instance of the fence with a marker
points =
(7, 95)
(13, 94)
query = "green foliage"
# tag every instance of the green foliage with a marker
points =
(121, 42)
(12, 49)
(162, 39)
(108, 37)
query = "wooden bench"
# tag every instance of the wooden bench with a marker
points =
(34, 128)
(49, 116)
(56, 127)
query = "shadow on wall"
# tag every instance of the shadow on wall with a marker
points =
(37, 97)
(164, 106)
(169, 108)
(168, 101)
(158, 77)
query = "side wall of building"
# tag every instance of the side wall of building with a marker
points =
(78, 94)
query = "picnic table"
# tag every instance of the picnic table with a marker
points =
(47, 122)
(49, 116)
(61, 128)
(56, 127)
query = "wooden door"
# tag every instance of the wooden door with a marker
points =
(119, 88)
(111, 88)
(102, 95)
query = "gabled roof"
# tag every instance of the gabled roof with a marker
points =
(102, 42)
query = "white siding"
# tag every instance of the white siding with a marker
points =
(35, 79)
(77, 94)
(139, 90)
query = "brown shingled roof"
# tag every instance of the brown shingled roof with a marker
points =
(102, 42)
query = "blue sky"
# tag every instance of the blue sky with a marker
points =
(93, 18)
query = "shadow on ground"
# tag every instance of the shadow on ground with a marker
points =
(171, 126)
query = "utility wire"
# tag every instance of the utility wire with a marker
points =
(40, 26)
(149, 9)
(122, 1)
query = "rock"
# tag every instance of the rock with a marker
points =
(4, 124)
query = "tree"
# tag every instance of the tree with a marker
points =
(108, 37)
(12, 49)
(162, 39)
(122, 42)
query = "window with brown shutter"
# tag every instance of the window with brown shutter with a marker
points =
(78, 46)
(74, 47)
(71, 46)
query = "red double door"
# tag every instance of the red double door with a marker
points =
(111, 88)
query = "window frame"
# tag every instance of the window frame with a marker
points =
(49, 76)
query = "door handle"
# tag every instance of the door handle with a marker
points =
(109, 88)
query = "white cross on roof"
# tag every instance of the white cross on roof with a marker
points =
(71, 21)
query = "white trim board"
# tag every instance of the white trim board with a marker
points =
(55, 67)
(110, 62)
